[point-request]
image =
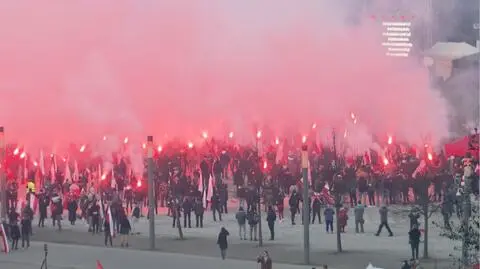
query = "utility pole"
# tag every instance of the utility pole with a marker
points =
(151, 193)
(3, 183)
(306, 207)
(260, 235)
(338, 200)
(467, 208)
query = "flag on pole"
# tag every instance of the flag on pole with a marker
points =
(114, 181)
(68, 173)
(200, 183)
(25, 169)
(279, 155)
(42, 163)
(76, 173)
(210, 188)
(420, 168)
(110, 221)
(99, 265)
(6, 247)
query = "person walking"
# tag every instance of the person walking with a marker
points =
(414, 240)
(271, 217)
(241, 217)
(359, 220)
(383, 211)
(222, 242)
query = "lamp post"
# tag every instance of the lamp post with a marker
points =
(151, 194)
(306, 207)
(3, 183)
(259, 207)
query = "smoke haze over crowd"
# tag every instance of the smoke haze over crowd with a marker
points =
(77, 70)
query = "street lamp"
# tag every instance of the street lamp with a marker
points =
(3, 183)
(306, 206)
(151, 195)
(260, 237)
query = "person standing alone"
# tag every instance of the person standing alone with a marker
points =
(383, 221)
(222, 242)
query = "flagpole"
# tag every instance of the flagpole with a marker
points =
(3, 183)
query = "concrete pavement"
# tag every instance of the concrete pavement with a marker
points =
(360, 249)
(63, 256)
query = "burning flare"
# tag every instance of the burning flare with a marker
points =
(82, 148)
(259, 134)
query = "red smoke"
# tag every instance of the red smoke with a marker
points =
(77, 70)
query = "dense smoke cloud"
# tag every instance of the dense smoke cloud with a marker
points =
(77, 70)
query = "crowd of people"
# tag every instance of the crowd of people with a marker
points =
(194, 180)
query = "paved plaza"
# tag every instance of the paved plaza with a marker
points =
(359, 249)
(63, 256)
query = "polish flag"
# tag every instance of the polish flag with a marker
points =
(99, 265)
(42, 163)
(68, 173)
(6, 247)
(110, 221)
(76, 173)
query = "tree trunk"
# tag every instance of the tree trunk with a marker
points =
(337, 209)
(425, 233)
(179, 225)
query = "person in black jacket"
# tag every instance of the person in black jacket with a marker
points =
(107, 231)
(95, 214)
(271, 217)
(222, 242)
(215, 200)
(125, 229)
(293, 202)
(15, 234)
(414, 240)
(199, 210)
(43, 202)
(187, 212)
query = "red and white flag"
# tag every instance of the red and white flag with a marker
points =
(76, 173)
(110, 221)
(6, 247)
(42, 163)
(420, 168)
(99, 265)
(68, 173)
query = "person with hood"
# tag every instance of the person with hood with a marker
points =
(253, 219)
(359, 220)
(343, 218)
(222, 242)
(383, 211)
(329, 213)
(241, 217)
(264, 260)
(414, 240)
(293, 202)
(413, 216)
(72, 207)
(271, 217)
